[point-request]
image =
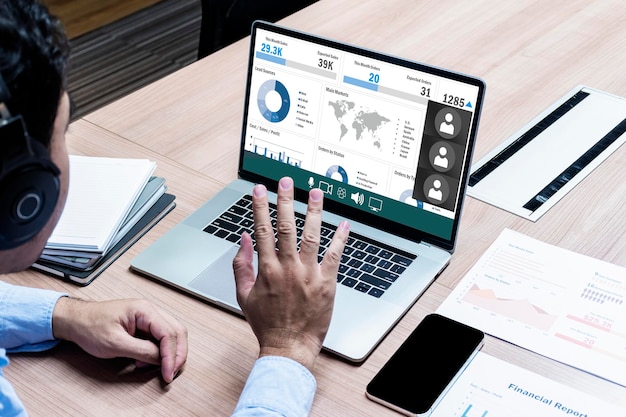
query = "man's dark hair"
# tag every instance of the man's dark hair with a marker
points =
(34, 54)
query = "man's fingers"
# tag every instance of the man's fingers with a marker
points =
(263, 230)
(333, 254)
(171, 336)
(310, 241)
(174, 345)
(245, 276)
(285, 220)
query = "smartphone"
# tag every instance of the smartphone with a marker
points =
(425, 366)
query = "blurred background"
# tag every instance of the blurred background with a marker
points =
(119, 46)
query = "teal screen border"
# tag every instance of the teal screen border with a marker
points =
(411, 216)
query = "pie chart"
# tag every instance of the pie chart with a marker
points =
(273, 101)
(337, 172)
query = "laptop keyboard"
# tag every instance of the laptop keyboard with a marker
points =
(367, 266)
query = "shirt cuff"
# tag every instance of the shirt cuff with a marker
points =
(280, 385)
(26, 322)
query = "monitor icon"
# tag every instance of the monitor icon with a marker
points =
(375, 204)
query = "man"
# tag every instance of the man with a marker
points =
(288, 304)
(34, 115)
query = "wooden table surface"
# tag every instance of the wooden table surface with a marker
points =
(529, 52)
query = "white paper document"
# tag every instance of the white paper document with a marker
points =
(537, 166)
(555, 302)
(491, 387)
(101, 193)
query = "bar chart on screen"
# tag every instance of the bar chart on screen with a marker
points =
(276, 152)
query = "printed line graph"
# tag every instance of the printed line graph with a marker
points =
(521, 310)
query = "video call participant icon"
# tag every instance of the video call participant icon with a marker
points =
(446, 126)
(435, 192)
(448, 123)
(442, 156)
(439, 169)
(440, 159)
(436, 189)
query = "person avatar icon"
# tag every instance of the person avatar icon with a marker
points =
(446, 126)
(435, 192)
(440, 159)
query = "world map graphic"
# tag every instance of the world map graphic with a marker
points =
(364, 122)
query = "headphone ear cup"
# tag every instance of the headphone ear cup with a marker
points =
(28, 196)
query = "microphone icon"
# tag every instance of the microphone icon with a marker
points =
(311, 182)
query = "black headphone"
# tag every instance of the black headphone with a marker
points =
(29, 180)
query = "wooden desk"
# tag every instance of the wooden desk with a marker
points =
(529, 53)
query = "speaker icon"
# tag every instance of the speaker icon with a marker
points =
(358, 198)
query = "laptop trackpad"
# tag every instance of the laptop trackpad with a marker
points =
(217, 282)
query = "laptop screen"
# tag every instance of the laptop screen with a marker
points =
(389, 141)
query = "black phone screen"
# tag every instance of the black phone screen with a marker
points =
(425, 364)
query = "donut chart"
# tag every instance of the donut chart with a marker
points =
(337, 169)
(407, 197)
(269, 86)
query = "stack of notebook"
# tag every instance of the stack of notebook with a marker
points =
(111, 203)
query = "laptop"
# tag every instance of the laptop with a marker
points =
(388, 140)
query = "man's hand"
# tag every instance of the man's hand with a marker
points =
(289, 304)
(123, 328)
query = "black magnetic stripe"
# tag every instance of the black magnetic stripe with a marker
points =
(578, 165)
(526, 137)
